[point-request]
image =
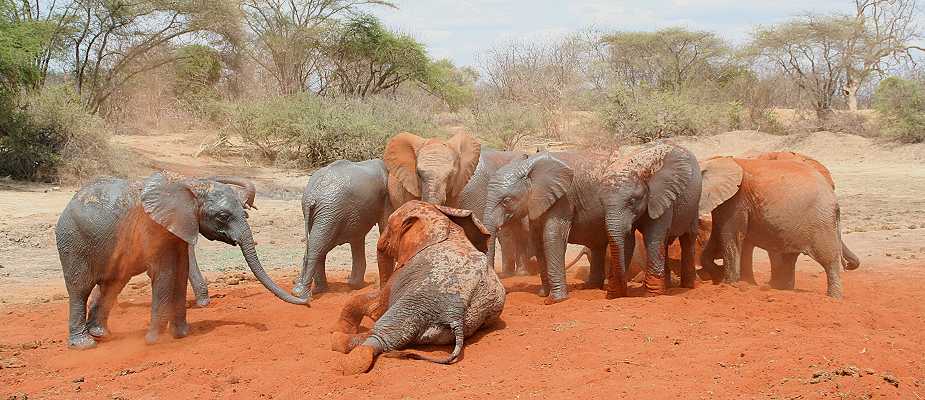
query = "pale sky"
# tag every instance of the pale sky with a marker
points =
(462, 29)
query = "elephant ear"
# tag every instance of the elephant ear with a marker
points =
(468, 150)
(477, 234)
(550, 179)
(172, 205)
(412, 228)
(721, 180)
(400, 157)
(666, 184)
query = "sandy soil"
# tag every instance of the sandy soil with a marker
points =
(711, 342)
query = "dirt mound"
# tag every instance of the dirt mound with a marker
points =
(824, 146)
(711, 342)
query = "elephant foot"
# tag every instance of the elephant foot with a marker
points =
(98, 331)
(151, 337)
(592, 285)
(345, 326)
(342, 342)
(81, 342)
(356, 284)
(543, 292)
(359, 361)
(299, 290)
(555, 298)
(180, 330)
(655, 285)
(202, 301)
(319, 289)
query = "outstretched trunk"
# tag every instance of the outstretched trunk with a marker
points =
(250, 255)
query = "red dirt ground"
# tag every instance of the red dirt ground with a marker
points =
(716, 341)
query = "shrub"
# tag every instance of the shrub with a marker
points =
(901, 105)
(307, 130)
(505, 124)
(52, 137)
(649, 115)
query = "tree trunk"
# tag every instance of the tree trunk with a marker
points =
(851, 94)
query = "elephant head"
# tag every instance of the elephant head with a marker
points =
(188, 207)
(525, 188)
(722, 177)
(417, 225)
(431, 170)
(648, 183)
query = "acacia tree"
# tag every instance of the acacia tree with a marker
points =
(665, 59)
(369, 59)
(116, 40)
(809, 50)
(289, 36)
(884, 33)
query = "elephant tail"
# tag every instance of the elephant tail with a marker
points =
(584, 252)
(850, 261)
(452, 358)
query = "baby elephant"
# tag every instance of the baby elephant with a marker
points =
(114, 229)
(441, 290)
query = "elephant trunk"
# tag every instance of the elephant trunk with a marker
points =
(621, 243)
(851, 261)
(250, 191)
(196, 280)
(249, 250)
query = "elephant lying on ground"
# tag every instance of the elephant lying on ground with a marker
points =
(636, 270)
(786, 207)
(442, 288)
(340, 204)
(114, 229)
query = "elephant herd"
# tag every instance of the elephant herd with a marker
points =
(440, 206)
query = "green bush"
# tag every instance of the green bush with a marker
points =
(650, 115)
(901, 105)
(505, 124)
(50, 137)
(307, 130)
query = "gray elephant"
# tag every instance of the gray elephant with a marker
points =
(516, 247)
(558, 194)
(114, 229)
(340, 204)
(437, 287)
(655, 190)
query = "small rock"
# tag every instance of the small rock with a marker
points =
(233, 380)
(11, 363)
(31, 345)
(869, 371)
(820, 376)
(59, 297)
(78, 380)
(18, 396)
(848, 371)
(891, 380)
(127, 371)
(232, 281)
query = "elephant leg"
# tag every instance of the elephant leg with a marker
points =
(783, 270)
(321, 277)
(162, 285)
(196, 280)
(178, 326)
(656, 249)
(101, 306)
(555, 240)
(358, 272)
(79, 287)
(596, 256)
(745, 263)
(537, 235)
(830, 257)
(688, 273)
(509, 253)
(371, 305)
(668, 283)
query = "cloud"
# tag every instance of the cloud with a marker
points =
(462, 29)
